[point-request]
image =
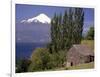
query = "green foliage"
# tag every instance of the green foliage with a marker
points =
(90, 34)
(22, 65)
(62, 58)
(40, 59)
(57, 59)
(67, 29)
(43, 60)
(56, 33)
(78, 25)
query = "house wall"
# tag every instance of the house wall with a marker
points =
(75, 58)
(72, 57)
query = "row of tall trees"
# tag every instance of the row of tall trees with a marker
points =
(66, 29)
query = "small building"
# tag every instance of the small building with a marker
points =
(79, 54)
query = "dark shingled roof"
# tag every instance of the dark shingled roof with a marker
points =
(83, 49)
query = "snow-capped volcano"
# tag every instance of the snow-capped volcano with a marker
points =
(41, 18)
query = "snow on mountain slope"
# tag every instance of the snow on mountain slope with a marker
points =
(42, 18)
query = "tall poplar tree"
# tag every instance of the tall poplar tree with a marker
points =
(78, 24)
(66, 30)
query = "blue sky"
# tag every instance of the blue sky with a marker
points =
(24, 11)
(27, 11)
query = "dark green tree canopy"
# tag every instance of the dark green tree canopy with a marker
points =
(66, 29)
(90, 34)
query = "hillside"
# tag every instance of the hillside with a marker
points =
(90, 43)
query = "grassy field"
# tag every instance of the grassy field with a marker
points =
(90, 43)
(82, 66)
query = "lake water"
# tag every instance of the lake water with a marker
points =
(24, 50)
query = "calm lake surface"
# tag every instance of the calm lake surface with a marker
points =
(24, 50)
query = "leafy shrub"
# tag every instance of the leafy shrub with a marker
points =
(40, 59)
(90, 34)
(57, 60)
(62, 57)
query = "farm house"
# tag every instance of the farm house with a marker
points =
(79, 54)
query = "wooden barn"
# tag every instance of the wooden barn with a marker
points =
(79, 54)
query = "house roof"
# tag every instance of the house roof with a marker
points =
(83, 49)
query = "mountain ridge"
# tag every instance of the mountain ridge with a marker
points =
(41, 18)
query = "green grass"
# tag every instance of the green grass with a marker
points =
(82, 66)
(90, 43)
